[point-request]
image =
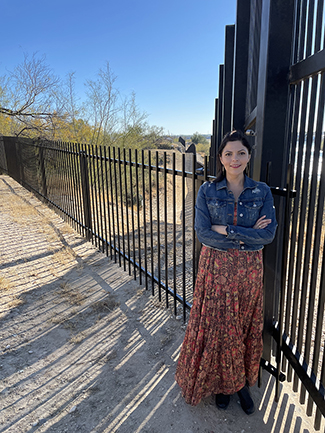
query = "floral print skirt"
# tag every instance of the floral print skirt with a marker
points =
(223, 342)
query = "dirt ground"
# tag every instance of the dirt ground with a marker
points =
(84, 348)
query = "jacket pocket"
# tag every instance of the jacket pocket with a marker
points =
(218, 210)
(252, 209)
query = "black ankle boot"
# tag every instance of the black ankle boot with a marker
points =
(222, 401)
(246, 401)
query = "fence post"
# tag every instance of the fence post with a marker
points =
(42, 168)
(85, 193)
(13, 166)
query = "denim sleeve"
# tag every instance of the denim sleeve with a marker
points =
(203, 223)
(252, 236)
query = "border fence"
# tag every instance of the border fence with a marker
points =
(272, 86)
(136, 207)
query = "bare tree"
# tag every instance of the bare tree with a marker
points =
(102, 104)
(30, 96)
(132, 117)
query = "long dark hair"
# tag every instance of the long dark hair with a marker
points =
(235, 135)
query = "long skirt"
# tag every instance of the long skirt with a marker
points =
(223, 342)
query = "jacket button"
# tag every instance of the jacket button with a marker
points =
(231, 231)
(240, 203)
(241, 215)
(242, 247)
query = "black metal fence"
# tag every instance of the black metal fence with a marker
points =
(301, 319)
(272, 84)
(136, 207)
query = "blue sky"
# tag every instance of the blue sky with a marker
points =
(167, 51)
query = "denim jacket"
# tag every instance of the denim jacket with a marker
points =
(215, 205)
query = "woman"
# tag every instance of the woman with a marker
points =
(235, 218)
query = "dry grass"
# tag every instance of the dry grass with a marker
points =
(5, 283)
(9, 302)
(70, 295)
(78, 338)
(9, 298)
(64, 256)
(21, 212)
(56, 319)
(105, 306)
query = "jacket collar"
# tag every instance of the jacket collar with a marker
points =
(248, 183)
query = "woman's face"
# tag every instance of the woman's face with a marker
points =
(235, 157)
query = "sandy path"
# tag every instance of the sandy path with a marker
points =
(84, 348)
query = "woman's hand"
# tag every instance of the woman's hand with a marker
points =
(262, 223)
(222, 230)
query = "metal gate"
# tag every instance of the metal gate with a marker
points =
(272, 85)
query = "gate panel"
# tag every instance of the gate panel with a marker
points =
(284, 106)
(303, 296)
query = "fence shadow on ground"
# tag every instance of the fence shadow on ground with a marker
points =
(86, 349)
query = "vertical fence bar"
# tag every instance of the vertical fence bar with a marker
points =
(71, 200)
(93, 185)
(100, 188)
(77, 181)
(151, 224)
(283, 278)
(122, 205)
(112, 202)
(60, 187)
(174, 231)
(319, 182)
(310, 27)
(319, 19)
(138, 213)
(60, 175)
(64, 192)
(85, 194)
(193, 218)
(132, 216)
(88, 162)
(67, 181)
(74, 186)
(166, 227)
(302, 29)
(183, 238)
(55, 181)
(94, 194)
(314, 296)
(144, 220)
(299, 208)
(102, 165)
(158, 225)
(127, 210)
(99, 194)
(117, 210)
(304, 234)
(72, 195)
(42, 169)
(295, 96)
(319, 331)
(80, 162)
(108, 208)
